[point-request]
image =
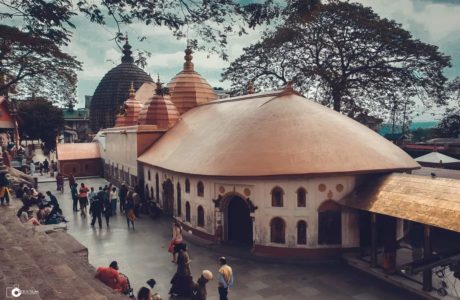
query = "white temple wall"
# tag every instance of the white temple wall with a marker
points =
(121, 151)
(319, 189)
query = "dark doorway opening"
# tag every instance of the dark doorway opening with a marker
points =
(239, 223)
(168, 199)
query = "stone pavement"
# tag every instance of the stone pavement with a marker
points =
(142, 254)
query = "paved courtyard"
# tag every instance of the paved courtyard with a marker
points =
(142, 254)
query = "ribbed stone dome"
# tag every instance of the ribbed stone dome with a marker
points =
(113, 90)
(188, 89)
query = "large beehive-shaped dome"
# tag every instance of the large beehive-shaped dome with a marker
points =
(113, 89)
(277, 133)
(188, 89)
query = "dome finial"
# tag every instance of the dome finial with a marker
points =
(188, 65)
(132, 92)
(250, 88)
(127, 58)
(160, 90)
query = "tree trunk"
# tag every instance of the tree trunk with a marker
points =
(337, 98)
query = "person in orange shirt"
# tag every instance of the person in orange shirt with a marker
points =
(83, 198)
(110, 276)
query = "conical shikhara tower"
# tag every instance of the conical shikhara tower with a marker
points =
(159, 110)
(129, 111)
(188, 89)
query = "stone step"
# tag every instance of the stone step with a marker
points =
(55, 264)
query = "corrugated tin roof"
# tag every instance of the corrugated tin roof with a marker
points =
(432, 201)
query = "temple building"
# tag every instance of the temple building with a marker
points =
(278, 173)
(113, 90)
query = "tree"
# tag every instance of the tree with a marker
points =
(345, 56)
(40, 119)
(42, 24)
(449, 127)
(39, 61)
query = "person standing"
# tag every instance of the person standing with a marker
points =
(46, 166)
(74, 193)
(60, 182)
(83, 198)
(40, 168)
(114, 200)
(129, 209)
(72, 181)
(95, 209)
(225, 279)
(91, 196)
(107, 206)
(32, 168)
(182, 280)
(199, 288)
(122, 192)
(176, 239)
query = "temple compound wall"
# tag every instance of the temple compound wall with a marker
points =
(295, 215)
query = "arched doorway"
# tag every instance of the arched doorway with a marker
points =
(238, 221)
(168, 197)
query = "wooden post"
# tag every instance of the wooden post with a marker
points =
(373, 240)
(427, 252)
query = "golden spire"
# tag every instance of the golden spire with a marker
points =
(188, 65)
(132, 92)
(159, 89)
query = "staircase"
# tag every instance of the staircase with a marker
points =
(54, 264)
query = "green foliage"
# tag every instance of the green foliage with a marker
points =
(38, 63)
(449, 127)
(40, 119)
(47, 24)
(345, 56)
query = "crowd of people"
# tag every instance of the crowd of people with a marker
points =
(106, 202)
(182, 283)
(103, 202)
(48, 212)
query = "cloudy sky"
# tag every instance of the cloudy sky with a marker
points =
(433, 21)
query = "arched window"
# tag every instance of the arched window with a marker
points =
(148, 175)
(329, 223)
(302, 233)
(277, 197)
(277, 231)
(301, 197)
(179, 200)
(147, 196)
(200, 217)
(187, 185)
(200, 189)
(151, 193)
(157, 187)
(187, 211)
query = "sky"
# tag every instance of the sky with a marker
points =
(433, 21)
